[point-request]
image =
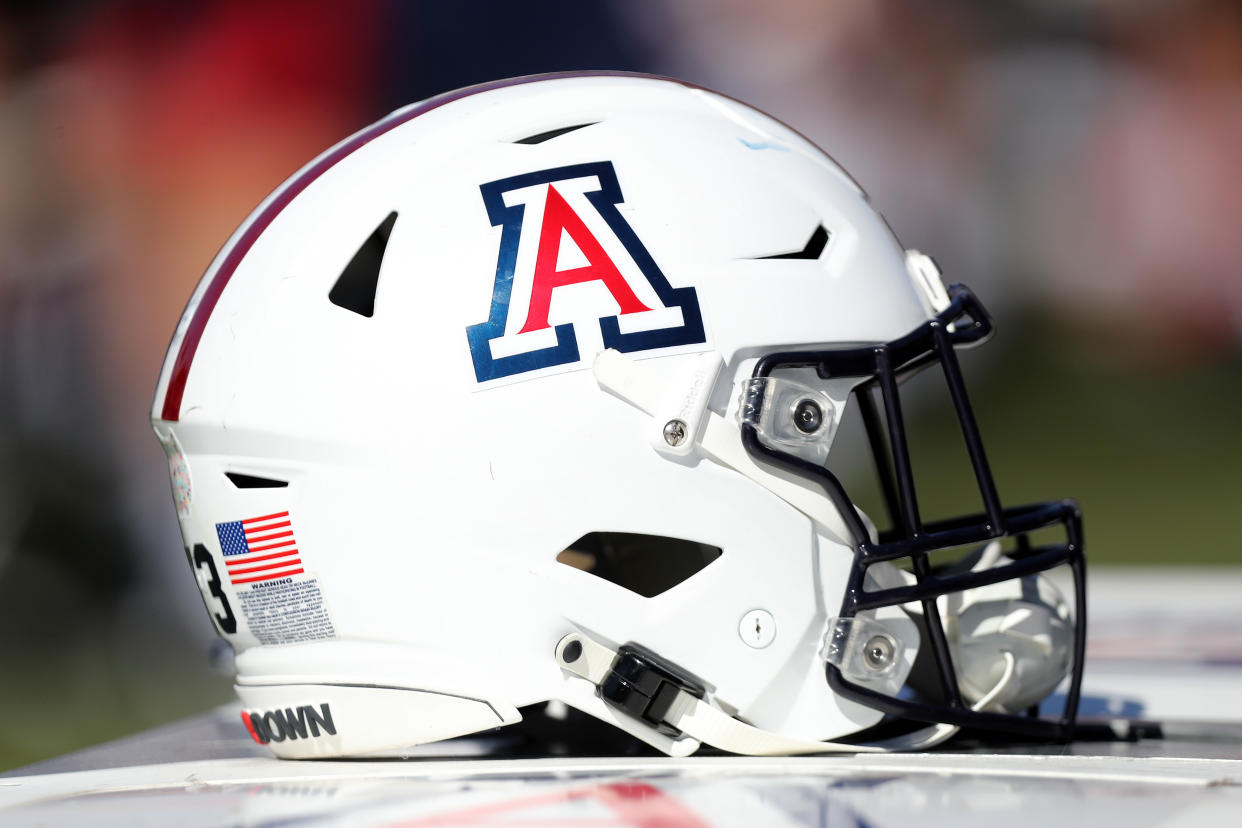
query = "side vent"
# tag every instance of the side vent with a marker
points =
(250, 481)
(355, 289)
(540, 137)
(646, 564)
(814, 247)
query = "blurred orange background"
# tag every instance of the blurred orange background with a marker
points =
(1079, 164)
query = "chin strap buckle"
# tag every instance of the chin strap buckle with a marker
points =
(645, 686)
(666, 698)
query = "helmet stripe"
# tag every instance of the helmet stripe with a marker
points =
(171, 410)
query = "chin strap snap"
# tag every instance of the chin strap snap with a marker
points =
(643, 686)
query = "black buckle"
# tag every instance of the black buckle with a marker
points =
(644, 685)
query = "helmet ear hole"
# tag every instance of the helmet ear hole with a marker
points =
(356, 286)
(646, 564)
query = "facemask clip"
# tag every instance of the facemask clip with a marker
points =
(790, 414)
(867, 653)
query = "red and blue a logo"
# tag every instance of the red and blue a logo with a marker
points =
(567, 259)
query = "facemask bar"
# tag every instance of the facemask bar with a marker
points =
(964, 322)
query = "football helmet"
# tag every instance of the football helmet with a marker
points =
(528, 394)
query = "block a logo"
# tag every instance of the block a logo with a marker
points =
(568, 259)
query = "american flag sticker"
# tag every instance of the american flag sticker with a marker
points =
(259, 548)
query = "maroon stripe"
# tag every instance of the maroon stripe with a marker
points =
(198, 322)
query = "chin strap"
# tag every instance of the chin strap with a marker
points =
(670, 706)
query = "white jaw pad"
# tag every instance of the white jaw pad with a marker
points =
(308, 721)
(1021, 626)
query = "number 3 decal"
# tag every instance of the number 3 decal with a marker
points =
(227, 622)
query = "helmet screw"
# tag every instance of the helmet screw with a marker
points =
(808, 416)
(878, 652)
(674, 432)
(757, 628)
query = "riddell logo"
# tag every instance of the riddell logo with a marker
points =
(304, 722)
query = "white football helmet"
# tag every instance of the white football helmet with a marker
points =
(526, 393)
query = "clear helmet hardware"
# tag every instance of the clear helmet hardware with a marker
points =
(792, 414)
(868, 652)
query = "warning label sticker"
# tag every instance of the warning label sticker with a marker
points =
(285, 610)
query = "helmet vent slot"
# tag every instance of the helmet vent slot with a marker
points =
(814, 246)
(250, 481)
(540, 137)
(355, 288)
(646, 564)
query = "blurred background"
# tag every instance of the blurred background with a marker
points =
(1077, 162)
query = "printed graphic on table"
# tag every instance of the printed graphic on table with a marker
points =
(280, 600)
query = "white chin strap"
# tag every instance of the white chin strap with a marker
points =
(699, 720)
